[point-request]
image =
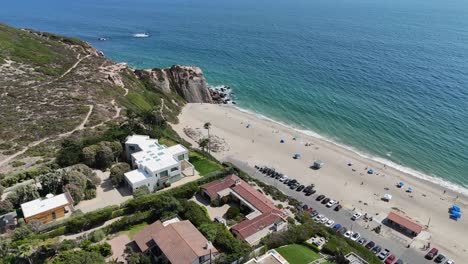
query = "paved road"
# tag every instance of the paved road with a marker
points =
(397, 244)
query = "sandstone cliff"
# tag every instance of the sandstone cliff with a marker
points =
(186, 81)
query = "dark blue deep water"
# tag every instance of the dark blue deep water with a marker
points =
(388, 78)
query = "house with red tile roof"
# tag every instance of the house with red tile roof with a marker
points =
(175, 241)
(264, 217)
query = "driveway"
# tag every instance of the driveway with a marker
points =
(106, 194)
(118, 244)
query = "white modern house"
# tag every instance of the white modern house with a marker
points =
(155, 164)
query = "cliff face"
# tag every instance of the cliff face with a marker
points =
(186, 81)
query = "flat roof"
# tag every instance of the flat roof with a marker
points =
(135, 176)
(405, 222)
(43, 205)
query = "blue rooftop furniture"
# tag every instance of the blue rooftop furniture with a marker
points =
(371, 171)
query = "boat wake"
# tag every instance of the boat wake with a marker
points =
(141, 35)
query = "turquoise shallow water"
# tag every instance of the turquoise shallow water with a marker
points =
(386, 78)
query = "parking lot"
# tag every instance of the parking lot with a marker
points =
(387, 238)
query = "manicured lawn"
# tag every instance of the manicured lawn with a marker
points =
(297, 254)
(133, 229)
(202, 164)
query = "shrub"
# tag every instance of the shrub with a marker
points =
(22, 194)
(89, 194)
(97, 236)
(86, 221)
(141, 191)
(5, 207)
(78, 257)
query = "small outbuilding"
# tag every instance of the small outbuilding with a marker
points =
(48, 209)
(404, 224)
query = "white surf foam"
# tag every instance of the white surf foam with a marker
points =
(420, 175)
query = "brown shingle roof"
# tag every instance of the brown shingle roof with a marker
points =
(143, 237)
(214, 187)
(405, 222)
(181, 242)
(270, 213)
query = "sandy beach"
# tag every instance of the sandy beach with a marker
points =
(256, 141)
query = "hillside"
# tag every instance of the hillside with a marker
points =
(52, 86)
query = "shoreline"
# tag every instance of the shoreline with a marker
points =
(259, 144)
(410, 172)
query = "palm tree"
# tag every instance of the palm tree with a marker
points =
(207, 126)
(339, 258)
(203, 143)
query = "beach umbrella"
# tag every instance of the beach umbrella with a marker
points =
(456, 208)
(456, 215)
(282, 141)
(409, 190)
(401, 184)
(296, 156)
(371, 171)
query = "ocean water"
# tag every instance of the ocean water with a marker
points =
(388, 79)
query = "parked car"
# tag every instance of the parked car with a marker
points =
(337, 226)
(326, 200)
(383, 254)
(310, 192)
(390, 259)
(320, 197)
(324, 220)
(331, 203)
(282, 179)
(300, 188)
(439, 259)
(305, 207)
(343, 230)
(362, 240)
(293, 181)
(348, 233)
(450, 262)
(376, 249)
(432, 253)
(338, 207)
(370, 245)
(399, 261)
(314, 213)
(355, 236)
(356, 216)
(307, 188)
(329, 223)
(318, 218)
(286, 181)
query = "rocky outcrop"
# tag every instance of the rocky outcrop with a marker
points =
(186, 81)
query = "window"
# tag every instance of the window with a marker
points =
(181, 157)
(54, 216)
(174, 169)
(164, 173)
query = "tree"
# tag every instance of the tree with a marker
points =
(87, 172)
(117, 173)
(233, 213)
(1, 189)
(75, 192)
(137, 258)
(5, 207)
(70, 153)
(22, 232)
(104, 157)
(22, 194)
(51, 182)
(207, 126)
(203, 143)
